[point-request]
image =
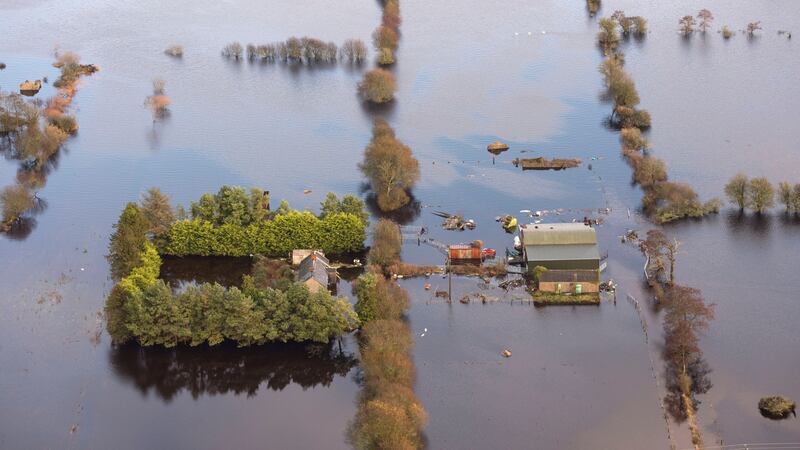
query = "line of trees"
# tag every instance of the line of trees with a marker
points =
(663, 200)
(385, 38)
(608, 37)
(34, 132)
(686, 315)
(305, 50)
(390, 416)
(758, 194)
(235, 222)
(390, 167)
(689, 24)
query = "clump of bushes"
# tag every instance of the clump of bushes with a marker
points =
(390, 167)
(232, 50)
(354, 50)
(378, 86)
(776, 407)
(174, 51)
(15, 200)
(727, 33)
(66, 123)
(386, 244)
(159, 102)
(593, 6)
(669, 201)
(389, 414)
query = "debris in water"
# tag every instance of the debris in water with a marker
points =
(506, 353)
(427, 286)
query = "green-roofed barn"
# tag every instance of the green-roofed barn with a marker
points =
(560, 246)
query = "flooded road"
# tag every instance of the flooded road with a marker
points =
(469, 73)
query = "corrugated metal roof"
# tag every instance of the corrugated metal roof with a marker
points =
(562, 252)
(558, 234)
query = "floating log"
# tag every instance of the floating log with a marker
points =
(542, 163)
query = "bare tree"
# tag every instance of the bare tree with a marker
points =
(752, 27)
(706, 18)
(687, 24)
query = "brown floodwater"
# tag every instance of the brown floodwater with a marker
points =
(469, 73)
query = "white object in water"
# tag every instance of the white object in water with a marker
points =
(425, 330)
(422, 335)
(537, 213)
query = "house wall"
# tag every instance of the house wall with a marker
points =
(552, 286)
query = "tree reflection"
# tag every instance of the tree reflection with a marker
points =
(225, 368)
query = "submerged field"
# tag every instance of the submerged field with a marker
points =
(469, 73)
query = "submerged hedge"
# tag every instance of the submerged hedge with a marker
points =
(334, 234)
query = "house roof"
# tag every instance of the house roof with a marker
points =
(314, 266)
(569, 276)
(558, 234)
(568, 252)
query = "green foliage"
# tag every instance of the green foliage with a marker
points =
(650, 171)
(736, 190)
(607, 37)
(127, 241)
(668, 201)
(272, 273)
(378, 86)
(15, 200)
(386, 244)
(632, 140)
(760, 195)
(66, 123)
(538, 271)
(335, 234)
(232, 205)
(157, 210)
(349, 204)
(367, 303)
(390, 167)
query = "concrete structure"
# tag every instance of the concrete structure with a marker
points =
(316, 272)
(560, 246)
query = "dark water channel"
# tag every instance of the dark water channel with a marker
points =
(469, 73)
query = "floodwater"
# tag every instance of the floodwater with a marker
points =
(469, 73)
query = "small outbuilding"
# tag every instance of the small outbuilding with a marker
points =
(560, 246)
(316, 273)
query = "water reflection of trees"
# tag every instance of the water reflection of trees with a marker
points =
(225, 368)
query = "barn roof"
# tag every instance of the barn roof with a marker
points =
(558, 234)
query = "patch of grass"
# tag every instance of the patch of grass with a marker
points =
(549, 298)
